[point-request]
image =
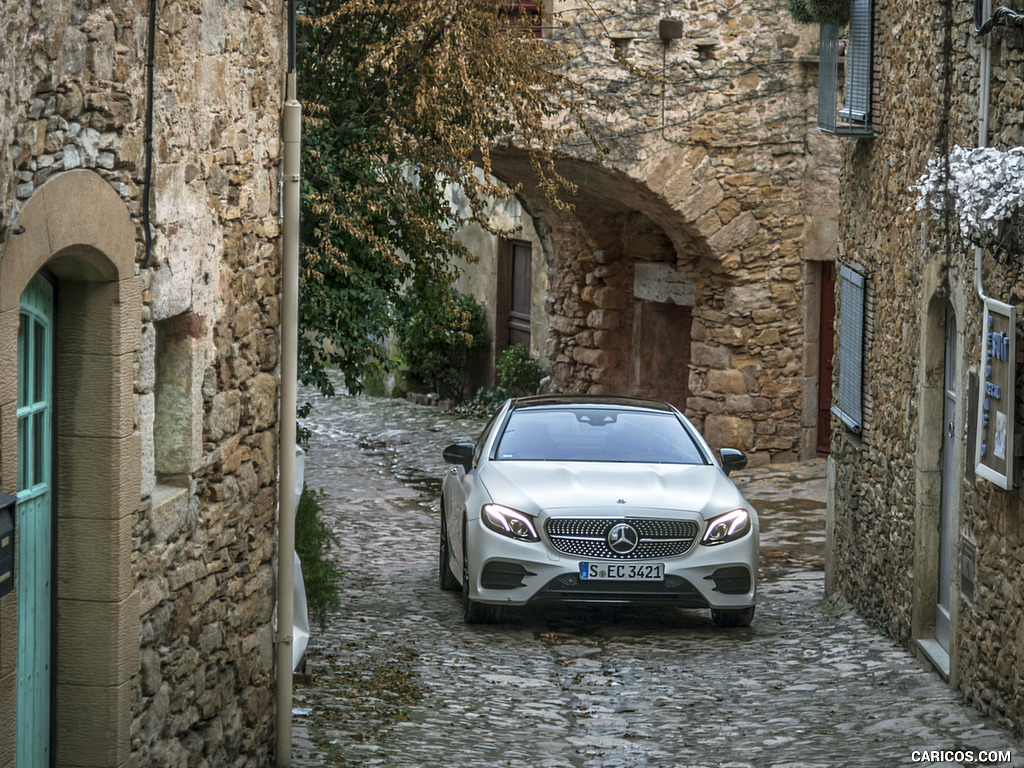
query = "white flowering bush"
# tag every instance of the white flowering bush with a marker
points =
(985, 191)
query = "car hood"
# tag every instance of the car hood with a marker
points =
(535, 486)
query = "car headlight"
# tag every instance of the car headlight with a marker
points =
(728, 527)
(509, 523)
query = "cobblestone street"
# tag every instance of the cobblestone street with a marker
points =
(397, 679)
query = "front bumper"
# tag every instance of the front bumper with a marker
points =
(505, 571)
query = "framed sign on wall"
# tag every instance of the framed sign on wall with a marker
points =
(994, 449)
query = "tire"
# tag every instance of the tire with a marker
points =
(727, 619)
(445, 577)
(472, 611)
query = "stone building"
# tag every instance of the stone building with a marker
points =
(925, 533)
(693, 264)
(138, 393)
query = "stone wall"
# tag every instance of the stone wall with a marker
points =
(888, 481)
(712, 172)
(72, 96)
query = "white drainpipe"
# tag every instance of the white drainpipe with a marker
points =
(286, 418)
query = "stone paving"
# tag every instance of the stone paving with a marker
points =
(397, 679)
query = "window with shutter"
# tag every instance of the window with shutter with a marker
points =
(849, 395)
(853, 118)
(858, 64)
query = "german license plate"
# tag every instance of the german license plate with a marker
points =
(622, 571)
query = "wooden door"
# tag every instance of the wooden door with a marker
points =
(34, 526)
(661, 354)
(520, 289)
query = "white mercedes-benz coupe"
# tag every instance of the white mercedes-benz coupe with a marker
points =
(576, 498)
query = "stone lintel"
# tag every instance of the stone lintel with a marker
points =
(664, 284)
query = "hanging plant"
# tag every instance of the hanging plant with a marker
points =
(819, 11)
(829, 11)
(984, 189)
(800, 12)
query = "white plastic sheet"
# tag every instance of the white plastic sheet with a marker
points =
(300, 623)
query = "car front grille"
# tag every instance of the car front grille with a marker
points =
(588, 537)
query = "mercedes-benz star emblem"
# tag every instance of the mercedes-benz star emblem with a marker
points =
(623, 538)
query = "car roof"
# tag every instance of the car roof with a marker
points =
(610, 401)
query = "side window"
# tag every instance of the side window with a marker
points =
(850, 354)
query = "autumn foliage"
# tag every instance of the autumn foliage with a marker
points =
(401, 100)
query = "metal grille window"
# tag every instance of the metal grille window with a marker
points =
(854, 117)
(851, 349)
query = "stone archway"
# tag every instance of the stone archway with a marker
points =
(80, 231)
(624, 268)
(678, 279)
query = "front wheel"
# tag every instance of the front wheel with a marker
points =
(732, 618)
(472, 611)
(445, 576)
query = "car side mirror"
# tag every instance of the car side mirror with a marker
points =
(732, 460)
(460, 453)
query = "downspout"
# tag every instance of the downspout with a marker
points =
(147, 181)
(292, 125)
(984, 88)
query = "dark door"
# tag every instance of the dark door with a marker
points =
(662, 351)
(520, 286)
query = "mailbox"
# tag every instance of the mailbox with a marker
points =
(6, 543)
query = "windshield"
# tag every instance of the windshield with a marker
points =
(597, 434)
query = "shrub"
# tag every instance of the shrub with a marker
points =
(313, 540)
(487, 400)
(519, 373)
(440, 329)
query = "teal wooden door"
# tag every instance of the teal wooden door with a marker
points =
(34, 525)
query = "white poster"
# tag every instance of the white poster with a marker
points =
(1000, 442)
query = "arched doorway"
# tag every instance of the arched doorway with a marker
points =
(938, 460)
(623, 272)
(78, 232)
